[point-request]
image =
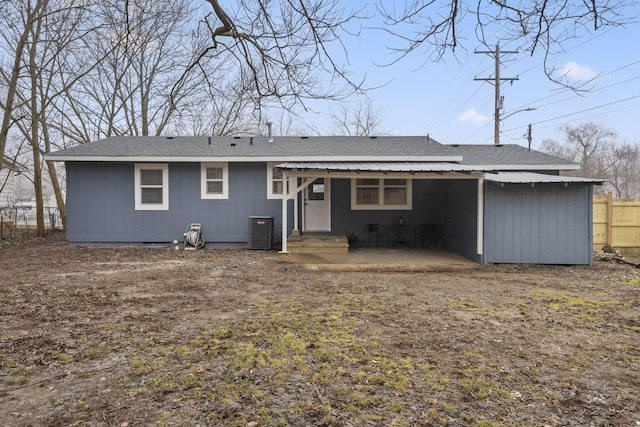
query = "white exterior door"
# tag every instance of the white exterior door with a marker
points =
(317, 206)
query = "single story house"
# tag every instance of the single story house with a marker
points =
(489, 203)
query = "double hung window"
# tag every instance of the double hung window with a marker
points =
(275, 182)
(381, 194)
(214, 180)
(151, 186)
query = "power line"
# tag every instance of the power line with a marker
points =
(496, 82)
(583, 111)
(589, 116)
(591, 91)
(564, 52)
(445, 113)
(443, 119)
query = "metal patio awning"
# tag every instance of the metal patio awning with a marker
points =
(383, 167)
(537, 178)
(435, 168)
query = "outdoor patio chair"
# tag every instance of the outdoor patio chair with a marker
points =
(378, 232)
(430, 233)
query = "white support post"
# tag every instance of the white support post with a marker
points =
(480, 225)
(292, 193)
(285, 213)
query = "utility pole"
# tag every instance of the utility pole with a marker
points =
(529, 137)
(496, 82)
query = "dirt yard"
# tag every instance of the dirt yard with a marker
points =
(131, 337)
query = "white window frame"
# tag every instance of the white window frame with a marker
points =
(139, 206)
(270, 180)
(225, 181)
(381, 205)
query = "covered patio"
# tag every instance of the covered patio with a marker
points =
(485, 216)
(439, 194)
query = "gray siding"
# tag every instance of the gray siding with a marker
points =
(449, 203)
(427, 208)
(100, 200)
(544, 224)
(461, 204)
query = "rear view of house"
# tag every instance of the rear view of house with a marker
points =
(492, 204)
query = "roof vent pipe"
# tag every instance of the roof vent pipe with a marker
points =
(269, 131)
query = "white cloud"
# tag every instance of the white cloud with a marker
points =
(472, 116)
(575, 71)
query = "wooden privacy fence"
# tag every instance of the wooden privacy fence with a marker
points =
(616, 222)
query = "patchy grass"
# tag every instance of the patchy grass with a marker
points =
(559, 300)
(233, 337)
(633, 282)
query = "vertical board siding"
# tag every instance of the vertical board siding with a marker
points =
(461, 207)
(101, 205)
(427, 208)
(548, 224)
(544, 224)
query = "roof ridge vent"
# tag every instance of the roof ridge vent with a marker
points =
(373, 137)
(304, 137)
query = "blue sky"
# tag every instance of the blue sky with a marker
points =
(443, 99)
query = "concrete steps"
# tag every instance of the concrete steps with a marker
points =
(318, 244)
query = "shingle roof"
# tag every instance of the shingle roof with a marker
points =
(510, 154)
(257, 147)
(311, 149)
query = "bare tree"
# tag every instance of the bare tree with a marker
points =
(556, 148)
(587, 141)
(620, 166)
(141, 50)
(584, 144)
(223, 110)
(285, 47)
(359, 119)
(595, 148)
(435, 28)
(46, 59)
(150, 70)
(286, 122)
(15, 37)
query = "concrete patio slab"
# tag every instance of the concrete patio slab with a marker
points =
(401, 259)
